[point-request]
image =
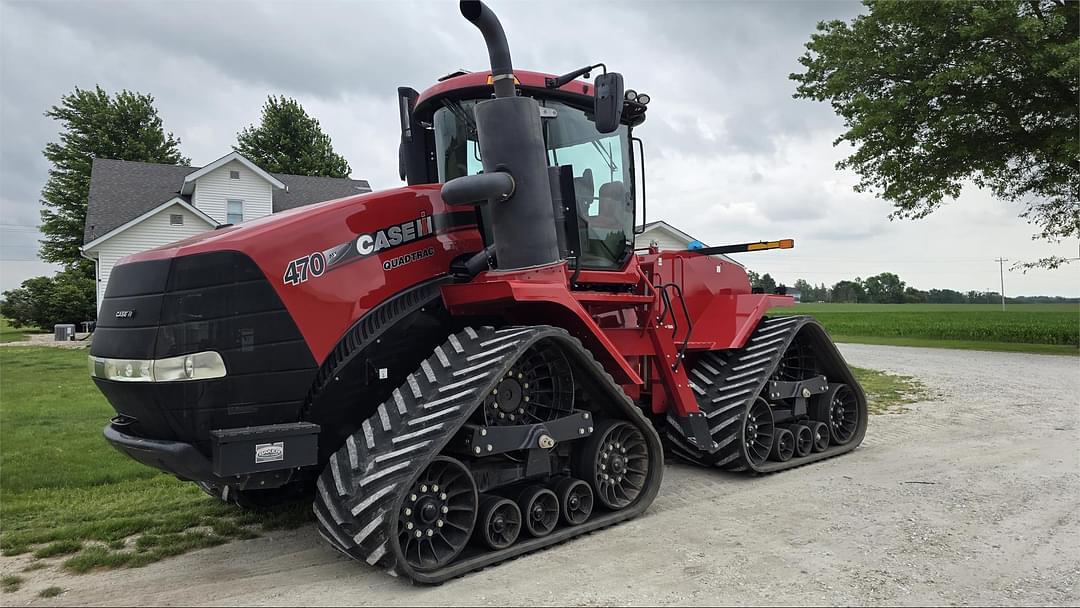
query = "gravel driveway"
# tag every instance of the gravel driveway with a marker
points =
(969, 499)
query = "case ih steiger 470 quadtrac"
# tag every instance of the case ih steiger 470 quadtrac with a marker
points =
(474, 366)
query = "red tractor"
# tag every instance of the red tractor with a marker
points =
(478, 364)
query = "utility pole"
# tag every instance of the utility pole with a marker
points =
(1001, 271)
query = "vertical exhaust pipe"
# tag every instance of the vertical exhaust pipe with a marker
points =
(511, 142)
(502, 69)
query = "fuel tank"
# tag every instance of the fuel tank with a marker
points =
(231, 328)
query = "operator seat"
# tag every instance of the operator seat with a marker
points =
(613, 207)
(583, 191)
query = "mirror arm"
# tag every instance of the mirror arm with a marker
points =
(559, 81)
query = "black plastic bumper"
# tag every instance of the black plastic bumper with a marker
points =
(180, 459)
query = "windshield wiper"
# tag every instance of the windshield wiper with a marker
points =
(465, 117)
(607, 156)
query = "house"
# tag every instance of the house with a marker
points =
(136, 206)
(668, 237)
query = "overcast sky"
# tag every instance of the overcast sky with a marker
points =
(731, 156)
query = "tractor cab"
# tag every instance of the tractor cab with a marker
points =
(441, 123)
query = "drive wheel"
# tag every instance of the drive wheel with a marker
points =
(615, 461)
(437, 515)
(575, 501)
(540, 509)
(499, 523)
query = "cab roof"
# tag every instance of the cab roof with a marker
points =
(480, 80)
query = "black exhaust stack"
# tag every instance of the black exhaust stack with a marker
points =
(511, 142)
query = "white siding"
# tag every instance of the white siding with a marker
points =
(216, 187)
(153, 231)
(663, 238)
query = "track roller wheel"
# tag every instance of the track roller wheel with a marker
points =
(821, 435)
(804, 439)
(758, 431)
(540, 510)
(499, 522)
(783, 446)
(438, 514)
(575, 500)
(840, 409)
(615, 461)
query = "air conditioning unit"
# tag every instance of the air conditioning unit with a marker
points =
(65, 332)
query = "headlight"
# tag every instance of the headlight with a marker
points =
(198, 366)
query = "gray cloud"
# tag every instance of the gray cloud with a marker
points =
(731, 155)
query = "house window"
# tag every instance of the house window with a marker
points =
(234, 175)
(176, 219)
(234, 211)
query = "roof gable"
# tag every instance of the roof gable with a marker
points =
(152, 212)
(191, 178)
(666, 227)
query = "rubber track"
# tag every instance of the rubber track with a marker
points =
(359, 493)
(725, 381)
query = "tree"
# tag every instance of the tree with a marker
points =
(885, 288)
(914, 296)
(934, 94)
(766, 284)
(67, 297)
(945, 296)
(94, 125)
(287, 140)
(805, 290)
(849, 291)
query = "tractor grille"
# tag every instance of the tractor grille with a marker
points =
(217, 301)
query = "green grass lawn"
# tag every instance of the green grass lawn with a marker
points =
(9, 333)
(1036, 328)
(67, 492)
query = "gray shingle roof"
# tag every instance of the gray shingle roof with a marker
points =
(121, 191)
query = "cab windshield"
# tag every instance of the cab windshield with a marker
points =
(601, 166)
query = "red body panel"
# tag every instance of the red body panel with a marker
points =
(325, 306)
(631, 333)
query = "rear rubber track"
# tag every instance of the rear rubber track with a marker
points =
(724, 382)
(360, 493)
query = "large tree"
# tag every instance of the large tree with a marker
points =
(885, 288)
(936, 94)
(287, 140)
(94, 124)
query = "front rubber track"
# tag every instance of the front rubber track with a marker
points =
(360, 492)
(725, 381)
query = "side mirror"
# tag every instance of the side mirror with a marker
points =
(411, 152)
(608, 102)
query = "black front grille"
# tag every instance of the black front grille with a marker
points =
(217, 301)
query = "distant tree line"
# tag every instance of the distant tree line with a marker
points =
(887, 288)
